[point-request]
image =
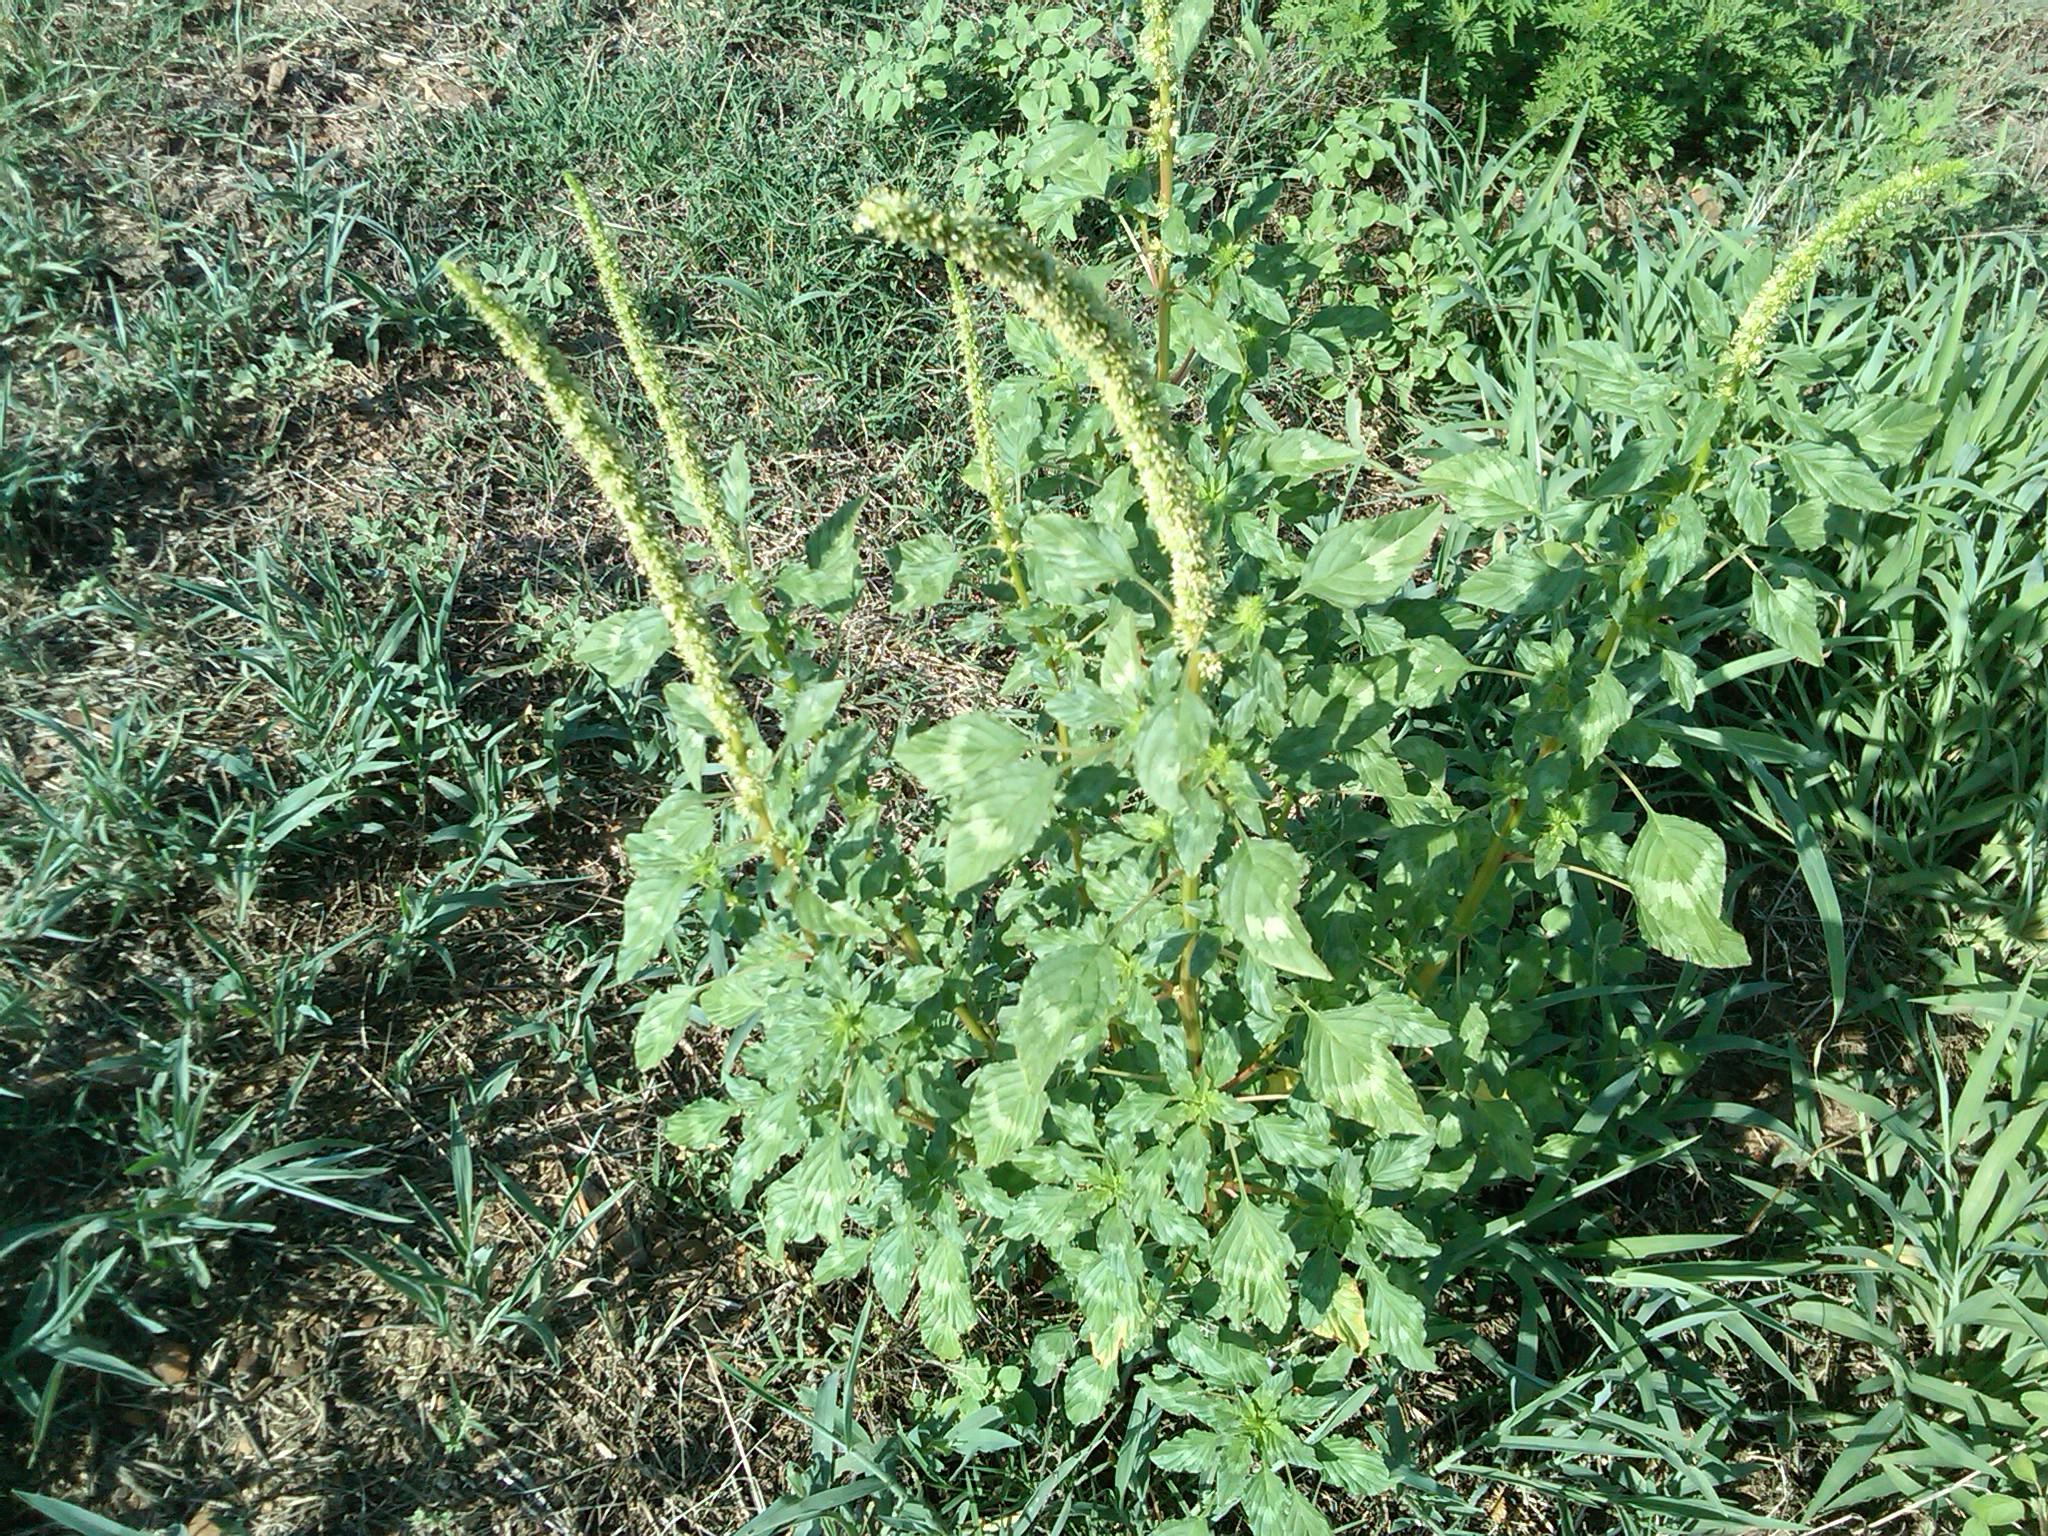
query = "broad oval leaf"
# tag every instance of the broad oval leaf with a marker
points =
(1677, 869)
(623, 647)
(1346, 1064)
(1370, 559)
(1249, 1262)
(1257, 896)
(1488, 487)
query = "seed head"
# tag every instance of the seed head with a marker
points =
(678, 432)
(1745, 352)
(1155, 52)
(978, 420)
(597, 443)
(1084, 326)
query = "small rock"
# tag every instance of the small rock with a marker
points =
(171, 1364)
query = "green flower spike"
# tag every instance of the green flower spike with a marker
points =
(677, 430)
(1047, 292)
(1155, 52)
(1745, 352)
(596, 442)
(978, 425)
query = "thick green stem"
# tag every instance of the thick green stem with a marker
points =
(1186, 991)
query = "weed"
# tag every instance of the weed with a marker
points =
(1647, 81)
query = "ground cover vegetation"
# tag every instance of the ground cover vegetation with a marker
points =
(1020, 768)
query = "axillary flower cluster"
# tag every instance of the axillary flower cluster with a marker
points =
(1079, 321)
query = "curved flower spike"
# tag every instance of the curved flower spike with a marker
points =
(1745, 352)
(596, 442)
(677, 431)
(1046, 291)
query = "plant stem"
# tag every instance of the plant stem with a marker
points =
(1186, 992)
(906, 940)
(1468, 906)
(1162, 356)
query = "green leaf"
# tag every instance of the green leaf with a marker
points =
(988, 831)
(830, 574)
(1086, 1390)
(1677, 869)
(1249, 1261)
(1837, 475)
(1192, 1452)
(1681, 675)
(1299, 454)
(1067, 558)
(1257, 894)
(1995, 1509)
(1169, 749)
(1892, 431)
(735, 486)
(623, 648)
(1605, 376)
(1396, 1319)
(810, 1200)
(1487, 487)
(667, 857)
(662, 1023)
(1071, 153)
(1064, 1008)
(922, 569)
(1787, 615)
(1345, 1063)
(1006, 1114)
(999, 791)
(1392, 1018)
(1596, 717)
(1530, 578)
(844, 1257)
(1189, 18)
(892, 1264)
(1109, 1287)
(1353, 1466)
(73, 1517)
(699, 1124)
(1211, 334)
(1274, 1507)
(1635, 466)
(1430, 668)
(945, 1309)
(1370, 559)
(1343, 1320)
(955, 756)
